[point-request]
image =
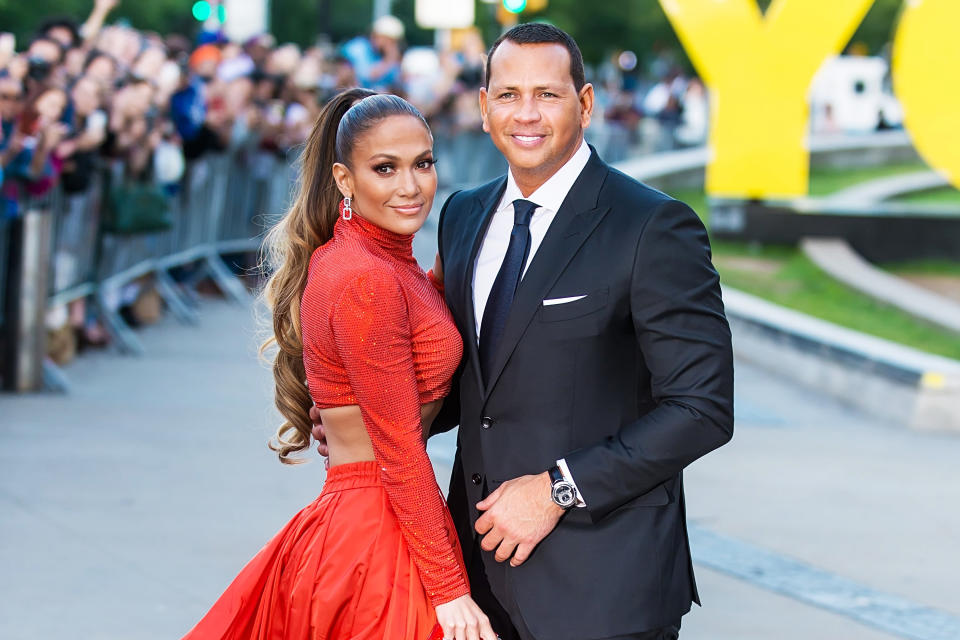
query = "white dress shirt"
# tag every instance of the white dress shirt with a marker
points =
(548, 197)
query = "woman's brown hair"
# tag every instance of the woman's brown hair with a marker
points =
(291, 243)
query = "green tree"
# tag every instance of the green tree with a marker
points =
(415, 36)
(879, 26)
(164, 16)
(602, 28)
(304, 21)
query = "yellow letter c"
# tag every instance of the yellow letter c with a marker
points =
(926, 56)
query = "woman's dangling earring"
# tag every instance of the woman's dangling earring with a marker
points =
(345, 209)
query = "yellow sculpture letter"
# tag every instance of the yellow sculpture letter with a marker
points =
(759, 69)
(926, 56)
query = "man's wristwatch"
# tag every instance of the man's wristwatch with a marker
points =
(563, 493)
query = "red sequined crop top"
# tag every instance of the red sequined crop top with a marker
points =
(376, 333)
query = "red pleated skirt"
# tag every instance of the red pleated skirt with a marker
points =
(339, 569)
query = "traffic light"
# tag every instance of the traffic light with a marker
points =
(202, 10)
(509, 10)
(521, 6)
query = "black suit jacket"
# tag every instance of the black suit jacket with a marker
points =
(630, 384)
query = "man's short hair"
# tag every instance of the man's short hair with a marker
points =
(542, 33)
(61, 22)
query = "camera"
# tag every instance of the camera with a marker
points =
(38, 69)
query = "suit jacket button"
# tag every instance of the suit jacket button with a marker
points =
(486, 422)
(476, 479)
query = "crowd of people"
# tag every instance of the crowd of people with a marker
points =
(78, 90)
(83, 95)
(81, 90)
(79, 96)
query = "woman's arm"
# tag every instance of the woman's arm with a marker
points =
(372, 332)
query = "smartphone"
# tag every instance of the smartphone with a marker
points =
(8, 45)
(97, 122)
(275, 112)
(38, 69)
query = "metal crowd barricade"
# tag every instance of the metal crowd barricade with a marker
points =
(76, 219)
(207, 219)
(123, 259)
(467, 159)
(611, 140)
(222, 206)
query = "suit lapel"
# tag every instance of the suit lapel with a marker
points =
(575, 221)
(484, 205)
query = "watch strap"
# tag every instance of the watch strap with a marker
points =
(556, 475)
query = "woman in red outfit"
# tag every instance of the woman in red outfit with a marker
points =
(375, 556)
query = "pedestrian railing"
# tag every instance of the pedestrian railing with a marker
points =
(220, 208)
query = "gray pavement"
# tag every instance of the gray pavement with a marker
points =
(836, 257)
(130, 504)
(887, 188)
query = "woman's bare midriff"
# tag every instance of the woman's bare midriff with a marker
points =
(347, 436)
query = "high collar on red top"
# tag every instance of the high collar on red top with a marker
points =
(397, 245)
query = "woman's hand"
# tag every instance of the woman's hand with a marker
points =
(320, 435)
(52, 135)
(462, 619)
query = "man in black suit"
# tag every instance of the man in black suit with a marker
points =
(597, 365)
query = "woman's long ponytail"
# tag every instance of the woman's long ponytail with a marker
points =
(289, 247)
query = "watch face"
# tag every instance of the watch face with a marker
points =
(564, 495)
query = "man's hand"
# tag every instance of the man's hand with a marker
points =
(67, 148)
(438, 268)
(518, 515)
(318, 433)
(101, 8)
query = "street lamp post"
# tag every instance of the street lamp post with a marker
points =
(381, 8)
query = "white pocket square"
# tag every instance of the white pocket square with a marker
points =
(552, 301)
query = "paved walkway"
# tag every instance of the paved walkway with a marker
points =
(886, 188)
(838, 258)
(130, 504)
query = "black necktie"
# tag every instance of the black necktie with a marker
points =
(505, 286)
